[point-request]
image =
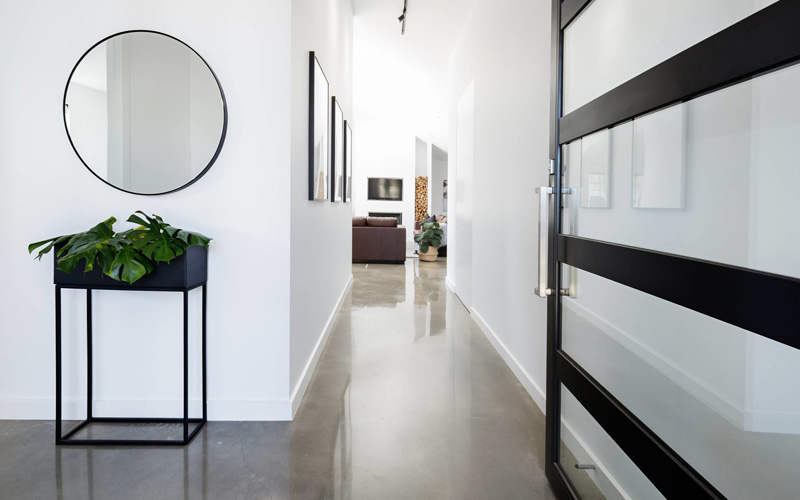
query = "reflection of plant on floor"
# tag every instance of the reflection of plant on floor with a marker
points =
(126, 256)
(426, 285)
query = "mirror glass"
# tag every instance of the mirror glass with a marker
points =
(145, 113)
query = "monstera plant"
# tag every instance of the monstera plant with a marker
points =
(125, 256)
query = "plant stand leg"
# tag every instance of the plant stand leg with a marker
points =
(205, 386)
(185, 367)
(58, 364)
(89, 363)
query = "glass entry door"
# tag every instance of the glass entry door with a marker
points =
(672, 258)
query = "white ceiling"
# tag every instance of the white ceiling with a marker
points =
(411, 68)
(432, 26)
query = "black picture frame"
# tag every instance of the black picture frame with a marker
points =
(337, 151)
(319, 164)
(348, 162)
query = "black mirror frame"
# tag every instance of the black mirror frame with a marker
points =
(224, 114)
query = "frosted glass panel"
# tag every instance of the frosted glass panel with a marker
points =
(613, 41)
(659, 159)
(728, 175)
(584, 442)
(726, 400)
(596, 170)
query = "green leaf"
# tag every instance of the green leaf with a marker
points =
(160, 241)
(188, 237)
(137, 220)
(53, 242)
(129, 265)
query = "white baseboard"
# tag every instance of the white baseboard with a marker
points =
(536, 392)
(75, 409)
(305, 378)
(605, 482)
(27, 409)
(450, 284)
(250, 410)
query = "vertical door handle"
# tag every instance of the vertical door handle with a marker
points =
(544, 201)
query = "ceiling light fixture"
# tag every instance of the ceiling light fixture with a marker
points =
(402, 18)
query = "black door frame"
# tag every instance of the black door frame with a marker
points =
(760, 302)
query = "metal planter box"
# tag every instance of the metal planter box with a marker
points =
(184, 272)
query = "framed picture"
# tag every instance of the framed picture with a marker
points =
(319, 165)
(348, 162)
(337, 151)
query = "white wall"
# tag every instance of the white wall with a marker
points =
(504, 54)
(243, 202)
(437, 176)
(321, 234)
(461, 228)
(393, 160)
(420, 158)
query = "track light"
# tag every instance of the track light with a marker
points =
(402, 18)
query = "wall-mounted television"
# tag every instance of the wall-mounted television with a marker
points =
(382, 188)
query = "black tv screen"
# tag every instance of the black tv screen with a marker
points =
(381, 188)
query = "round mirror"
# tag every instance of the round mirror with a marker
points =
(145, 113)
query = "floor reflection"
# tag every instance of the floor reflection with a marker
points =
(320, 461)
(75, 470)
(411, 401)
(429, 317)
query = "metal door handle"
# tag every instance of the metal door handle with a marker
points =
(544, 193)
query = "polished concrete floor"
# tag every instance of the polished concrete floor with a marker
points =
(409, 401)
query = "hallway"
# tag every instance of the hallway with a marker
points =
(409, 400)
(427, 408)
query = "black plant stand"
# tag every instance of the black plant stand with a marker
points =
(185, 274)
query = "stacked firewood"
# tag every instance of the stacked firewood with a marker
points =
(421, 201)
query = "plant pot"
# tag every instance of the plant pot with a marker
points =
(430, 256)
(185, 271)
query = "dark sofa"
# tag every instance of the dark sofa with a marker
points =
(378, 240)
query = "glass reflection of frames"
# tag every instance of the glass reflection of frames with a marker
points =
(595, 168)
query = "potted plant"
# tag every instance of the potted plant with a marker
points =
(118, 260)
(429, 240)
